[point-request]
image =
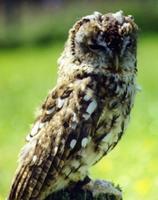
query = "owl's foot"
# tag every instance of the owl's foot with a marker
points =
(104, 189)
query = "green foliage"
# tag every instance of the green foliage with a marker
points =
(25, 76)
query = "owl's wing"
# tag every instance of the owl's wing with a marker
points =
(69, 116)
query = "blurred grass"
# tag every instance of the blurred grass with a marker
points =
(26, 74)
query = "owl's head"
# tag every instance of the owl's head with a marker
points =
(105, 40)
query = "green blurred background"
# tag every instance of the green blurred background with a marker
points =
(32, 36)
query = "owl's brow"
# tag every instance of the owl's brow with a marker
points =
(73, 32)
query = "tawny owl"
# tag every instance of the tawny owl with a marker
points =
(85, 115)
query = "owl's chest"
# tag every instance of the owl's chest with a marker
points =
(110, 128)
(114, 117)
(111, 125)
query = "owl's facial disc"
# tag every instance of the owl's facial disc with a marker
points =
(112, 36)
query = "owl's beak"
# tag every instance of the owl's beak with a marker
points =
(116, 62)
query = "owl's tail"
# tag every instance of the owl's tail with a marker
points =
(27, 183)
(23, 186)
(18, 184)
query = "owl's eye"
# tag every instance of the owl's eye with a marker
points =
(128, 45)
(127, 42)
(95, 47)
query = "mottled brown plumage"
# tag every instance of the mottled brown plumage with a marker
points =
(86, 114)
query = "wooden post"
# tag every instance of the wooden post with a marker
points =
(96, 190)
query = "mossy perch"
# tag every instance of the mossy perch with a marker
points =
(95, 190)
